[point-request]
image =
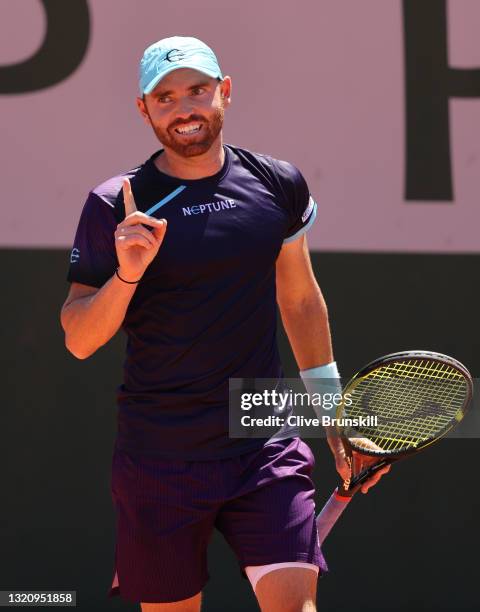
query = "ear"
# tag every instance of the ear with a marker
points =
(226, 90)
(142, 108)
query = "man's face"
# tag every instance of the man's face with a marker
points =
(186, 110)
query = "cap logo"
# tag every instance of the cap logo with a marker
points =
(175, 55)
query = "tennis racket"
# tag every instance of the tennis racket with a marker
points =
(393, 408)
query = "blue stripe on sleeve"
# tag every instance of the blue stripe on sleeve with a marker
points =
(305, 228)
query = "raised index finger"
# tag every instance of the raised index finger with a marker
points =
(128, 199)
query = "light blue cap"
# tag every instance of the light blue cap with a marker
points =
(169, 54)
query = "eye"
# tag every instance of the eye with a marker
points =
(197, 91)
(164, 99)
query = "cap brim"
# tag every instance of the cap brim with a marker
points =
(214, 74)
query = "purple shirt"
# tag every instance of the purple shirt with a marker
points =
(205, 309)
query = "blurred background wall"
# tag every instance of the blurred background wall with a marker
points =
(377, 103)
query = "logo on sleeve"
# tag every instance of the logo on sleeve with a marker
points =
(74, 255)
(308, 210)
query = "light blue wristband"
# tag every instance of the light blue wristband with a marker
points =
(329, 370)
(323, 380)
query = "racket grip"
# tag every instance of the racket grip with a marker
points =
(329, 514)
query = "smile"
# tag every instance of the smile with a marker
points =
(187, 130)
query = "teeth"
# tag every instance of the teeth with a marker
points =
(190, 129)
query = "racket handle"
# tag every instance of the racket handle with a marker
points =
(329, 514)
(357, 481)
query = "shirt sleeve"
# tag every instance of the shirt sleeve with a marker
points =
(301, 207)
(93, 259)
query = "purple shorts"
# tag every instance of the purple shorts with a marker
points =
(262, 503)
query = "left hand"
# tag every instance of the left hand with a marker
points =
(360, 462)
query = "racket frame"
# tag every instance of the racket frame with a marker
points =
(349, 487)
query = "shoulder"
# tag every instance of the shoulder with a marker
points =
(281, 173)
(108, 191)
(282, 169)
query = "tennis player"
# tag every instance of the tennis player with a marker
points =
(190, 252)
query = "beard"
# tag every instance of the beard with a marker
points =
(197, 144)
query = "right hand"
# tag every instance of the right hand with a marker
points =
(135, 245)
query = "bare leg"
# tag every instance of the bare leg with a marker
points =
(292, 589)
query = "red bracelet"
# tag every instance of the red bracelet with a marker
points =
(125, 281)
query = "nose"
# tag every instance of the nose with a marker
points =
(184, 108)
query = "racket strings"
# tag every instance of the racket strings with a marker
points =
(417, 369)
(406, 429)
(414, 402)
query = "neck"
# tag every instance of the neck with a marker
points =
(197, 167)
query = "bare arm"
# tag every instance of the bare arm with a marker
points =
(91, 316)
(302, 307)
(305, 318)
